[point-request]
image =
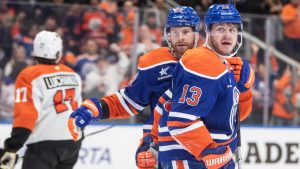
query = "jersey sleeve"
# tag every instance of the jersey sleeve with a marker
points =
(245, 104)
(24, 107)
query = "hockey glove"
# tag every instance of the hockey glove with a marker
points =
(7, 159)
(146, 154)
(243, 73)
(216, 158)
(90, 110)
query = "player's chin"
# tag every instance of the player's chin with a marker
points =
(181, 49)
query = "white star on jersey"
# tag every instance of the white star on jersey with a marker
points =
(163, 71)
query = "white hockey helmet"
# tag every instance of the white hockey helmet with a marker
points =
(47, 45)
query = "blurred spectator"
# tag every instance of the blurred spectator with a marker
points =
(50, 24)
(6, 99)
(107, 75)
(146, 41)
(88, 58)
(72, 29)
(15, 65)
(96, 24)
(127, 33)
(272, 6)
(258, 91)
(154, 30)
(284, 106)
(290, 17)
(111, 9)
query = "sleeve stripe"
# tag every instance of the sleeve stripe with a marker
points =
(163, 129)
(152, 66)
(171, 147)
(135, 105)
(147, 127)
(159, 110)
(220, 136)
(187, 129)
(122, 101)
(183, 115)
(169, 94)
(202, 75)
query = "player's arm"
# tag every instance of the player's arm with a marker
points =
(25, 116)
(245, 77)
(123, 104)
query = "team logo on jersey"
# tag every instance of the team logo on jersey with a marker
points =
(60, 81)
(164, 74)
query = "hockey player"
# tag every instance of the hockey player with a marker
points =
(153, 78)
(45, 96)
(195, 121)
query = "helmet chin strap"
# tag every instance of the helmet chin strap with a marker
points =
(170, 45)
(236, 48)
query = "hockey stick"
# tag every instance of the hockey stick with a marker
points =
(239, 146)
(99, 131)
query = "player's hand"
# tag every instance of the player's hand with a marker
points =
(216, 158)
(146, 154)
(90, 110)
(7, 159)
(243, 73)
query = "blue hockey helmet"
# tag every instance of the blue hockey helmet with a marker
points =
(183, 16)
(223, 13)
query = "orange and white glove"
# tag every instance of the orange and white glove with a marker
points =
(243, 73)
(147, 153)
(90, 110)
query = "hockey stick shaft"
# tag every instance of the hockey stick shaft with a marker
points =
(239, 146)
(99, 131)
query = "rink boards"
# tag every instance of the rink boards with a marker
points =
(262, 147)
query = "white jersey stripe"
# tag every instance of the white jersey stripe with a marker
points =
(171, 147)
(185, 164)
(159, 110)
(135, 105)
(147, 127)
(187, 129)
(152, 66)
(169, 94)
(183, 115)
(124, 104)
(163, 129)
(174, 166)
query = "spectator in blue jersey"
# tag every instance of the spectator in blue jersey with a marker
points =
(195, 121)
(153, 78)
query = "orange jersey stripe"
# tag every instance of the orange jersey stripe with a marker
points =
(116, 110)
(179, 164)
(195, 141)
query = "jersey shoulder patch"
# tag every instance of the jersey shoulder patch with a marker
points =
(156, 57)
(203, 62)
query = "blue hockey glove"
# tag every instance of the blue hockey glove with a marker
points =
(243, 73)
(146, 154)
(218, 158)
(90, 110)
